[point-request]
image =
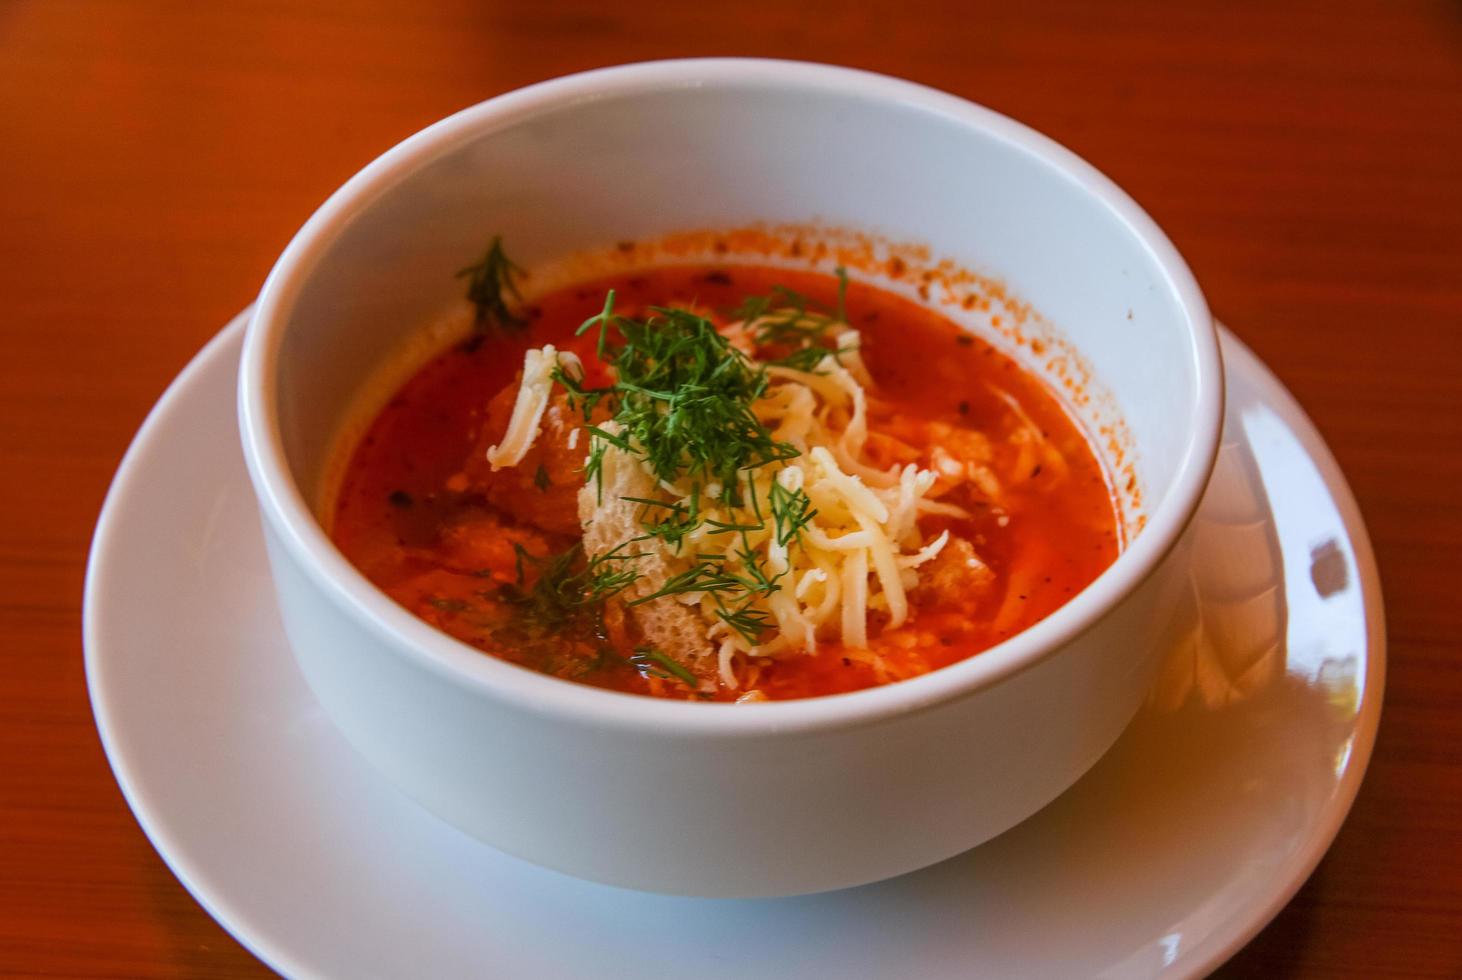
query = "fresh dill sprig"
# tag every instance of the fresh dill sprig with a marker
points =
(705, 576)
(789, 319)
(807, 359)
(567, 585)
(747, 621)
(681, 399)
(791, 511)
(669, 521)
(788, 315)
(487, 282)
(651, 662)
(558, 609)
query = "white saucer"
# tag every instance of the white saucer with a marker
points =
(1166, 858)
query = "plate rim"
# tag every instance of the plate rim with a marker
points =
(1213, 951)
(230, 920)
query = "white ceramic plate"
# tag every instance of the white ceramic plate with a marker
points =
(1166, 858)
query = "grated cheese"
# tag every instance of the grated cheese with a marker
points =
(527, 418)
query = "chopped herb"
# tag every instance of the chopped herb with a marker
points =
(791, 511)
(400, 498)
(487, 282)
(792, 313)
(681, 399)
(809, 358)
(707, 576)
(749, 622)
(447, 605)
(566, 584)
(669, 521)
(787, 318)
(540, 478)
(644, 657)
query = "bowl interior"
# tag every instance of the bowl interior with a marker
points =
(556, 173)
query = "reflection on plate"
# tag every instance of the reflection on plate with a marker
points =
(1170, 854)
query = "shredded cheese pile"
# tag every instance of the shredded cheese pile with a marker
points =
(857, 555)
(861, 548)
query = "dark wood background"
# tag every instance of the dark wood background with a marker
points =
(1306, 158)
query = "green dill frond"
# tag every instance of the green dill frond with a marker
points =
(705, 576)
(667, 521)
(791, 511)
(682, 399)
(651, 662)
(747, 621)
(786, 318)
(567, 585)
(489, 283)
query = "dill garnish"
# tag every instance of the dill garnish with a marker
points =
(554, 615)
(681, 399)
(567, 585)
(785, 318)
(651, 662)
(791, 511)
(732, 587)
(669, 521)
(487, 281)
(807, 359)
(747, 621)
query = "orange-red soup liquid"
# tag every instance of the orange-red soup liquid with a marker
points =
(442, 550)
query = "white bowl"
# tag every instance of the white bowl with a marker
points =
(720, 799)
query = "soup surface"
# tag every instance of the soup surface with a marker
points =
(843, 490)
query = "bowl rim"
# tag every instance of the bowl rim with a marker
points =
(301, 535)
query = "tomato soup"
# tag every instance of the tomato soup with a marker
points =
(952, 502)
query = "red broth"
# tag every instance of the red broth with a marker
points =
(410, 520)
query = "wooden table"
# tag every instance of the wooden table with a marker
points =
(1306, 157)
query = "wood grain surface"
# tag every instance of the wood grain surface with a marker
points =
(1305, 157)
